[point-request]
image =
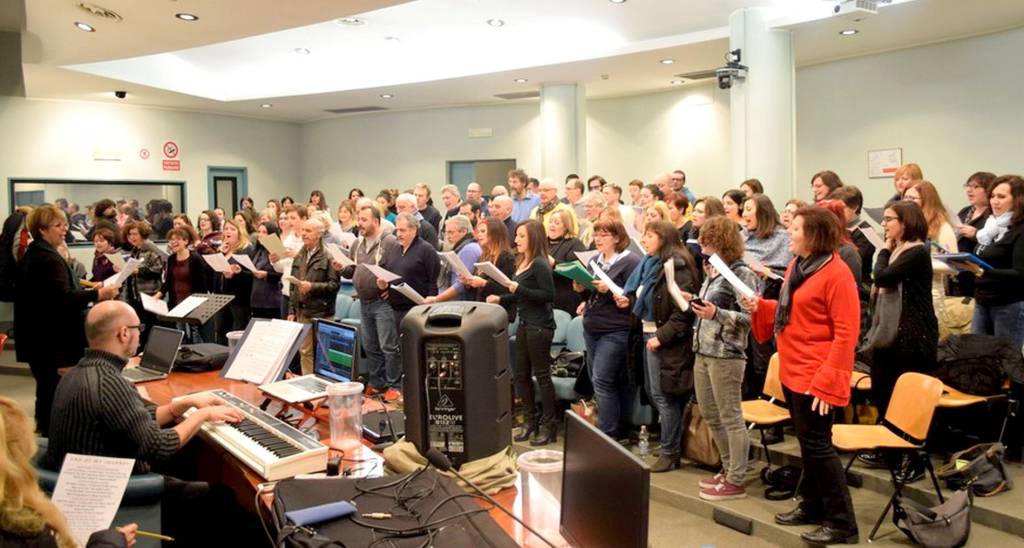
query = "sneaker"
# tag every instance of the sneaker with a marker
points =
(713, 481)
(723, 491)
(392, 395)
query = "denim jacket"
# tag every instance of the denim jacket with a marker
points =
(725, 335)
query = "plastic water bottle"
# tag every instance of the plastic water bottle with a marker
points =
(645, 441)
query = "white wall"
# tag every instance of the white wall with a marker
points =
(56, 139)
(954, 108)
(398, 149)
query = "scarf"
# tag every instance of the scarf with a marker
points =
(803, 268)
(644, 278)
(994, 229)
(543, 210)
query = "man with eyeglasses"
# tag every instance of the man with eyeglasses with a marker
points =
(678, 180)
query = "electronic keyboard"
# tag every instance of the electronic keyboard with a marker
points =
(271, 447)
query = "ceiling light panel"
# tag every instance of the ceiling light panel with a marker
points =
(440, 39)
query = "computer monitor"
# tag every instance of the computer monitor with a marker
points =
(161, 349)
(605, 490)
(335, 350)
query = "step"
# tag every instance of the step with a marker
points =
(1001, 512)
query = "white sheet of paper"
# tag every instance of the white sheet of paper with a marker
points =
(673, 287)
(116, 259)
(586, 256)
(730, 277)
(381, 273)
(409, 293)
(488, 269)
(872, 237)
(263, 350)
(757, 266)
(245, 261)
(347, 239)
(955, 221)
(154, 305)
(290, 279)
(186, 306)
(603, 276)
(217, 262)
(89, 491)
(338, 256)
(454, 260)
(274, 245)
(129, 268)
(78, 236)
(634, 234)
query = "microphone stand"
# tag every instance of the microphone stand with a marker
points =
(441, 462)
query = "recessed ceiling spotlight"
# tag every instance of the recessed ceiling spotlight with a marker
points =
(386, 96)
(392, 39)
(84, 26)
(302, 51)
(186, 16)
(617, 1)
(667, 61)
(848, 32)
(676, 82)
(496, 22)
(521, 80)
(351, 21)
(266, 105)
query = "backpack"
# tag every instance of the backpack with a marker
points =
(198, 358)
(978, 364)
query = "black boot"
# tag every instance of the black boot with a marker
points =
(528, 429)
(547, 433)
(825, 535)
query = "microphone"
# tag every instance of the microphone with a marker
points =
(439, 460)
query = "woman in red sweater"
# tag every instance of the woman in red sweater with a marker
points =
(816, 322)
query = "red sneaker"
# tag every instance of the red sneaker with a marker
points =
(392, 395)
(713, 481)
(723, 491)
(371, 391)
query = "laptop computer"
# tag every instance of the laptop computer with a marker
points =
(158, 357)
(334, 360)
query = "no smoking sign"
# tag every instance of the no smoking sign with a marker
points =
(171, 149)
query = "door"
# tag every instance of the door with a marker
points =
(486, 173)
(227, 186)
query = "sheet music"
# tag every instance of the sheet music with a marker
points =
(757, 266)
(89, 491)
(274, 245)
(129, 268)
(291, 279)
(730, 277)
(873, 237)
(586, 256)
(454, 260)
(487, 268)
(245, 261)
(115, 259)
(186, 306)
(347, 239)
(263, 350)
(154, 305)
(78, 236)
(381, 273)
(603, 276)
(673, 287)
(217, 262)
(338, 256)
(409, 293)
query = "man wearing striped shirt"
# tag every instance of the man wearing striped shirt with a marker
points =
(98, 412)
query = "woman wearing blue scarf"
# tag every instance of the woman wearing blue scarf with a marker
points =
(667, 332)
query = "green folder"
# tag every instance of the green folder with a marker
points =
(574, 270)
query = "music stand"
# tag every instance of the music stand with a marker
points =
(203, 313)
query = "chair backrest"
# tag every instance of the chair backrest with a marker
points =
(562, 319)
(574, 340)
(772, 383)
(341, 305)
(913, 403)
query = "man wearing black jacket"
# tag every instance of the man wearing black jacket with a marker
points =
(429, 212)
(416, 261)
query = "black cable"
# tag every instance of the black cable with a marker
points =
(387, 416)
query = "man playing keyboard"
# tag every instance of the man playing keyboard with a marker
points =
(98, 412)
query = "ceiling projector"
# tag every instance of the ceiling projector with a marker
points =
(857, 9)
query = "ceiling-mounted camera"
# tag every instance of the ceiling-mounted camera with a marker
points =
(120, 94)
(732, 70)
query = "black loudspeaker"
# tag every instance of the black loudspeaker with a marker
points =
(457, 379)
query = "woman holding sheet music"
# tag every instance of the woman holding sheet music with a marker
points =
(147, 278)
(492, 236)
(606, 329)
(186, 272)
(972, 219)
(237, 281)
(266, 283)
(667, 332)
(1000, 291)
(562, 247)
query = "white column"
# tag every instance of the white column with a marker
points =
(762, 106)
(563, 120)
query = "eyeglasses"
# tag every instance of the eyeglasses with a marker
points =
(972, 186)
(889, 219)
(141, 327)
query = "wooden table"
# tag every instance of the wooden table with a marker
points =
(217, 464)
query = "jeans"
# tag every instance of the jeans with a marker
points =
(670, 406)
(606, 361)
(533, 358)
(719, 383)
(379, 337)
(824, 490)
(1006, 320)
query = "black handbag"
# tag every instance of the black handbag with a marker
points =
(981, 467)
(947, 525)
